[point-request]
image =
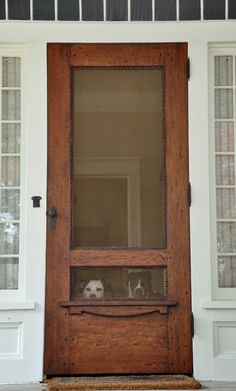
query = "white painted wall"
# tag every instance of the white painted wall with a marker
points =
(215, 323)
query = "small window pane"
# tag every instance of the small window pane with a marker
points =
(227, 272)
(92, 10)
(10, 205)
(118, 283)
(226, 237)
(232, 9)
(43, 9)
(224, 136)
(165, 9)
(223, 70)
(11, 138)
(225, 201)
(189, 10)
(9, 238)
(2, 9)
(225, 172)
(11, 72)
(19, 9)
(9, 273)
(117, 10)
(224, 103)
(68, 10)
(141, 9)
(214, 9)
(11, 105)
(10, 171)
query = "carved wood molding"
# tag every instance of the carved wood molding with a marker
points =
(118, 308)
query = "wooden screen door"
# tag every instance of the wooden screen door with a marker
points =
(118, 275)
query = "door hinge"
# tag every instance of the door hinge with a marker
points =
(192, 325)
(189, 195)
(188, 68)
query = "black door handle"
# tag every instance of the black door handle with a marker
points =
(52, 213)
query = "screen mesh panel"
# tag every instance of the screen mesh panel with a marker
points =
(104, 283)
(118, 158)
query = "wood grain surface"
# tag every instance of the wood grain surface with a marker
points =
(91, 343)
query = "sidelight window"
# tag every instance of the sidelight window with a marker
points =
(223, 119)
(10, 170)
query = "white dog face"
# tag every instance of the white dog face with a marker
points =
(93, 290)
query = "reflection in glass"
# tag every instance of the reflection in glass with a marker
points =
(224, 136)
(223, 70)
(118, 158)
(225, 203)
(10, 171)
(11, 71)
(11, 105)
(224, 103)
(225, 170)
(118, 283)
(227, 272)
(9, 273)
(226, 237)
(10, 204)
(10, 138)
(9, 238)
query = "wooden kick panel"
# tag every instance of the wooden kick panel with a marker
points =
(103, 342)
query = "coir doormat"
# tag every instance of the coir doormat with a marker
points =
(144, 382)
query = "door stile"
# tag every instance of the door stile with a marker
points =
(58, 239)
(177, 177)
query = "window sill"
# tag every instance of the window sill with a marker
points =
(219, 305)
(26, 305)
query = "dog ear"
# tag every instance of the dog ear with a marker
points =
(103, 282)
(82, 284)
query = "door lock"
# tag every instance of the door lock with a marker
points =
(36, 201)
(52, 213)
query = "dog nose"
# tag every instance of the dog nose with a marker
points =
(92, 296)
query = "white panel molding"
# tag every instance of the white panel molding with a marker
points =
(224, 340)
(219, 304)
(15, 305)
(10, 341)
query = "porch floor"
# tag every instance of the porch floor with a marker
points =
(213, 386)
